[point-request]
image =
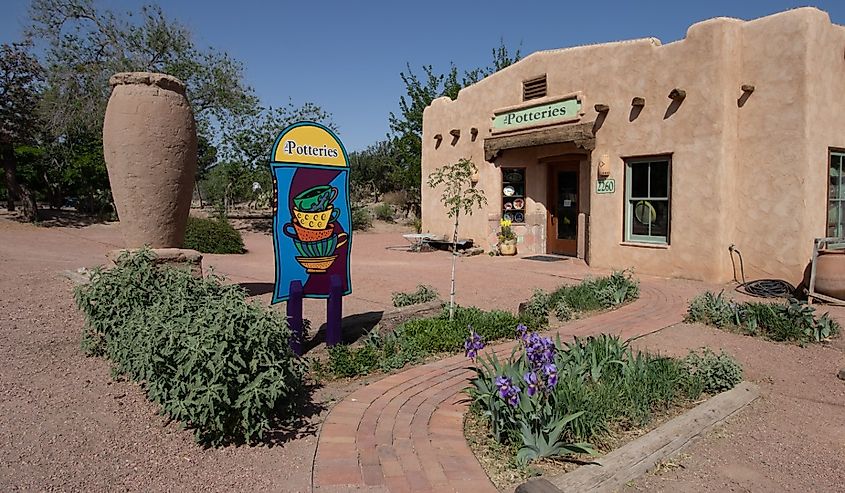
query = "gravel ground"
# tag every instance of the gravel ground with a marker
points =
(790, 439)
(66, 425)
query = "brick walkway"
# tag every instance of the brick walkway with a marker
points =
(405, 432)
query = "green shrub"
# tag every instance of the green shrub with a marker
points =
(384, 212)
(793, 320)
(361, 218)
(210, 359)
(212, 236)
(716, 372)
(423, 294)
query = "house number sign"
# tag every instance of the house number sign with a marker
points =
(606, 186)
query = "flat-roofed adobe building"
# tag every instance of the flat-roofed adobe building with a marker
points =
(659, 157)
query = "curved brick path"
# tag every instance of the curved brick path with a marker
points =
(405, 432)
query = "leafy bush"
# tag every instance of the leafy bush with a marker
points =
(212, 236)
(716, 372)
(361, 218)
(551, 399)
(423, 294)
(384, 212)
(210, 359)
(568, 302)
(790, 321)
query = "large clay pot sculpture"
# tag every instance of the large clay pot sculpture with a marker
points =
(830, 274)
(150, 148)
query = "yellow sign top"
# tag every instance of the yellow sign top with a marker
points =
(310, 144)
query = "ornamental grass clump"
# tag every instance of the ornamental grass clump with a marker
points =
(213, 361)
(550, 399)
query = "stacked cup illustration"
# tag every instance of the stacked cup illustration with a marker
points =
(312, 228)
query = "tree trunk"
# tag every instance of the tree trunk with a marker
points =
(199, 193)
(7, 154)
(454, 259)
(13, 188)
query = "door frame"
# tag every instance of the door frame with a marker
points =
(553, 244)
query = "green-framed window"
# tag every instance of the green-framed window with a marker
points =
(647, 206)
(836, 195)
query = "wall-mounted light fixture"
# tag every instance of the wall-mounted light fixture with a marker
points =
(602, 108)
(474, 133)
(677, 94)
(437, 140)
(638, 101)
(604, 166)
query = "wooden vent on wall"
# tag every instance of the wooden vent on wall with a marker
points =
(534, 88)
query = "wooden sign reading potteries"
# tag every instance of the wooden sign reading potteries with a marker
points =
(312, 221)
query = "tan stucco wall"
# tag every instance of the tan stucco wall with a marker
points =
(753, 176)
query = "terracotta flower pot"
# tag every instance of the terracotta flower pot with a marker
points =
(150, 148)
(830, 274)
(507, 247)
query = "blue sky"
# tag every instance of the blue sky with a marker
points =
(346, 56)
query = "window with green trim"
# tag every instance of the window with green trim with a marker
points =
(836, 195)
(647, 187)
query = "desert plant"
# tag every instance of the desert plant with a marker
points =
(711, 309)
(210, 359)
(361, 218)
(423, 294)
(459, 195)
(384, 212)
(717, 372)
(212, 236)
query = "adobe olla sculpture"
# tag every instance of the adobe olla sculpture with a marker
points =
(150, 149)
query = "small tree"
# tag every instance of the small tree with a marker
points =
(458, 195)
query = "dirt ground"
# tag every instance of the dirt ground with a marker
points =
(65, 424)
(790, 439)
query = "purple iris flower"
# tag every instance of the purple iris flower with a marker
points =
(505, 385)
(508, 391)
(531, 379)
(550, 370)
(522, 331)
(473, 344)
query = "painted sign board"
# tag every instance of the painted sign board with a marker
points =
(312, 221)
(606, 186)
(538, 115)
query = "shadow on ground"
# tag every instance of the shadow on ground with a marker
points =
(305, 422)
(354, 327)
(64, 218)
(257, 288)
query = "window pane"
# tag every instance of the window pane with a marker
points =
(639, 180)
(659, 180)
(834, 218)
(660, 225)
(640, 217)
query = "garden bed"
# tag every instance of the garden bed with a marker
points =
(421, 340)
(552, 406)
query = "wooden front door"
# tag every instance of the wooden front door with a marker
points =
(562, 222)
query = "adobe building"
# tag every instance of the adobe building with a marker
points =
(659, 157)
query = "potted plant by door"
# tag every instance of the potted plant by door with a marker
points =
(507, 238)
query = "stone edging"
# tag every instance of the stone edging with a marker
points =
(635, 458)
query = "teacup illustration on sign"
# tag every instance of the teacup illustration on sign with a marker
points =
(316, 220)
(312, 228)
(315, 199)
